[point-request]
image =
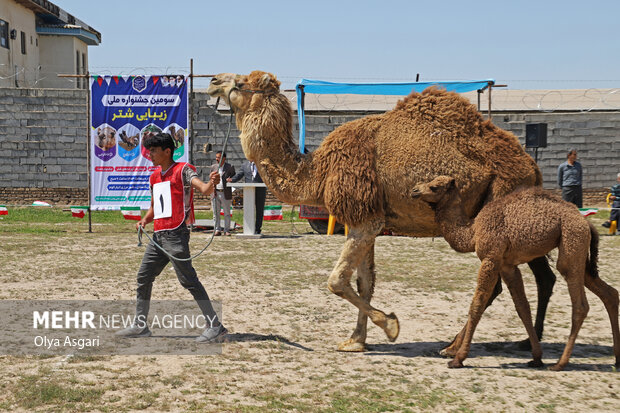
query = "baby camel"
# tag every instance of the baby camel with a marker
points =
(514, 230)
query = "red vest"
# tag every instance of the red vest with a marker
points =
(172, 202)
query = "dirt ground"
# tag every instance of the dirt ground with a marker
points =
(285, 325)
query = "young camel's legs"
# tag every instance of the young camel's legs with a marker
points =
(487, 277)
(512, 276)
(453, 347)
(575, 280)
(365, 288)
(360, 240)
(545, 280)
(609, 297)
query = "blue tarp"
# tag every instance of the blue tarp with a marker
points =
(402, 89)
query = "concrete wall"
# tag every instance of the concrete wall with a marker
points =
(43, 141)
(58, 57)
(12, 60)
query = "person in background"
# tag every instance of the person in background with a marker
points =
(222, 195)
(615, 197)
(569, 179)
(250, 173)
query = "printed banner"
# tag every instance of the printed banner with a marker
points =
(124, 111)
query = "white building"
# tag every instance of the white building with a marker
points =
(38, 41)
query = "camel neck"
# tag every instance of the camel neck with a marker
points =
(456, 227)
(267, 139)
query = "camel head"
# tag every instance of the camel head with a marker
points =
(436, 190)
(239, 90)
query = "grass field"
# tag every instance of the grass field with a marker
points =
(285, 326)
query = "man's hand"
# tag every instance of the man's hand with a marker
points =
(214, 177)
(139, 224)
(229, 180)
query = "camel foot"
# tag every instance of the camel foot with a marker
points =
(556, 367)
(352, 346)
(455, 364)
(535, 363)
(392, 328)
(448, 352)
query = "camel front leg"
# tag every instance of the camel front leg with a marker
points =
(513, 279)
(358, 248)
(487, 277)
(365, 288)
(452, 348)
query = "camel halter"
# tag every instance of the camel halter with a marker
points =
(141, 229)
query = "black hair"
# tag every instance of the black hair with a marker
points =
(220, 152)
(160, 140)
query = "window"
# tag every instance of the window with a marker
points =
(84, 70)
(23, 36)
(78, 83)
(4, 34)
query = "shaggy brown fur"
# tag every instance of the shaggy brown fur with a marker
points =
(364, 172)
(510, 231)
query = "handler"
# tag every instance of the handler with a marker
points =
(171, 208)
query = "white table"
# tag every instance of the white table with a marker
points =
(249, 213)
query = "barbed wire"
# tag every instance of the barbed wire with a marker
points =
(545, 101)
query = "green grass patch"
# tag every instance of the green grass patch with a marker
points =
(37, 391)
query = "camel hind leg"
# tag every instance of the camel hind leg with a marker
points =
(365, 288)
(359, 242)
(609, 297)
(574, 273)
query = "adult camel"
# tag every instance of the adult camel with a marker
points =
(364, 173)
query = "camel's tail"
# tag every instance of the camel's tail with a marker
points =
(592, 264)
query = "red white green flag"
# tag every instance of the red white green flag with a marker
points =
(586, 212)
(272, 213)
(132, 213)
(3, 210)
(222, 211)
(79, 211)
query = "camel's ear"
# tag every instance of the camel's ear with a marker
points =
(268, 82)
(265, 80)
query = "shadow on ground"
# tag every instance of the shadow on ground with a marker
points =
(551, 353)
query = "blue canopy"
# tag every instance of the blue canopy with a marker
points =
(323, 87)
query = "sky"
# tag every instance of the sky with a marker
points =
(543, 44)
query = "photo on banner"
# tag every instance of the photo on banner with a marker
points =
(125, 110)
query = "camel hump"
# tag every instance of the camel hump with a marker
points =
(440, 107)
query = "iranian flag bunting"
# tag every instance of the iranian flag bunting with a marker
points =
(272, 213)
(3, 210)
(222, 211)
(79, 211)
(586, 212)
(132, 213)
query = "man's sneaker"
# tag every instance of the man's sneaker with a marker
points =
(606, 224)
(212, 335)
(134, 331)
